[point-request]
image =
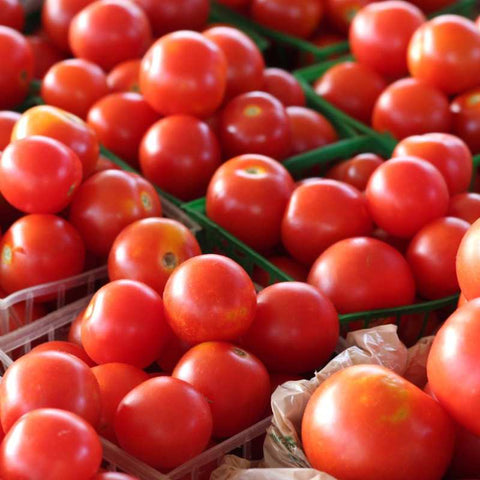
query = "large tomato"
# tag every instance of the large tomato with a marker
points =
(235, 383)
(125, 77)
(7, 122)
(466, 206)
(283, 86)
(362, 273)
(12, 14)
(184, 72)
(468, 262)
(466, 118)
(45, 54)
(378, 426)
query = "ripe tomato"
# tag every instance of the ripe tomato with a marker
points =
(74, 85)
(283, 86)
(180, 154)
(45, 54)
(340, 13)
(255, 122)
(287, 264)
(62, 126)
(467, 263)
(446, 152)
(7, 122)
(445, 52)
(188, 304)
(406, 193)
(39, 249)
(17, 70)
(451, 371)
(39, 174)
(109, 201)
(12, 14)
(309, 129)
(295, 17)
(149, 251)
(49, 443)
(125, 77)
(465, 205)
(321, 213)
(466, 118)
(381, 426)
(411, 107)
(49, 379)
(168, 436)
(352, 87)
(111, 118)
(234, 381)
(129, 310)
(65, 347)
(75, 331)
(184, 72)
(362, 273)
(247, 196)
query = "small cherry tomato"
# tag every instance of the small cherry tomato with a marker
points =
(283, 86)
(125, 77)
(45, 54)
(466, 206)
(467, 263)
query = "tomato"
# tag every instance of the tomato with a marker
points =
(172, 352)
(49, 443)
(109, 201)
(467, 262)
(74, 85)
(39, 249)
(111, 118)
(340, 13)
(184, 72)
(379, 35)
(62, 126)
(321, 213)
(129, 310)
(39, 174)
(451, 370)
(7, 122)
(234, 381)
(168, 436)
(65, 347)
(125, 77)
(406, 193)
(466, 455)
(113, 476)
(445, 52)
(12, 14)
(466, 118)
(150, 250)
(287, 264)
(180, 154)
(352, 87)
(446, 152)
(295, 17)
(411, 107)
(110, 32)
(49, 379)
(236, 4)
(465, 205)
(283, 86)
(75, 331)
(247, 196)
(45, 54)
(362, 273)
(381, 426)
(17, 71)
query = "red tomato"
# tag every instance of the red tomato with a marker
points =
(49, 443)
(164, 244)
(184, 72)
(113, 476)
(445, 52)
(446, 152)
(111, 118)
(109, 201)
(467, 263)
(255, 122)
(12, 14)
(104, 163)
(309, 130)
(287, 264)
(406, 193)
(168, 436)
(233, 380)
(295, 328)
(115, 381)
(125, 77)
(283, 86)
(129, 310)
(461, 300)
(180, 154)
(75, 331)
(39, 174)
(352, 87)
(65, 347)
(465, 205)
(74, 85)
(39, 249)
(295, 17)
(172, 353)
(17, 67)
(110, 32)
(340, 13)
(7, 122)
(379, 35)
(321, 213)
(247, 196)
(451, 371)
(411, 107)
(49, 379)
(62, 126)
(362, 273)
(375, 410)
(431, 255)
(45, 54)
(466, 118)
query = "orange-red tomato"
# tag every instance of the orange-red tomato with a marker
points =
(65, 347)
(125, 77)
(283, 86)
(466, 206)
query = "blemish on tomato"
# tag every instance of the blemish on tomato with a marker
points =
(146, 200)
(169, 260)
(252, 111)
(7, 255)
(473, 99)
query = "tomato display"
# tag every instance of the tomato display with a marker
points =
(465, 205)
(283, 86)
(466, 118)
(7, 122)
(125, 77)
(467, 263)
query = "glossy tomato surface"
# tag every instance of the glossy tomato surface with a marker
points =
(65, 347)
(283, 86)
(45, 54)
